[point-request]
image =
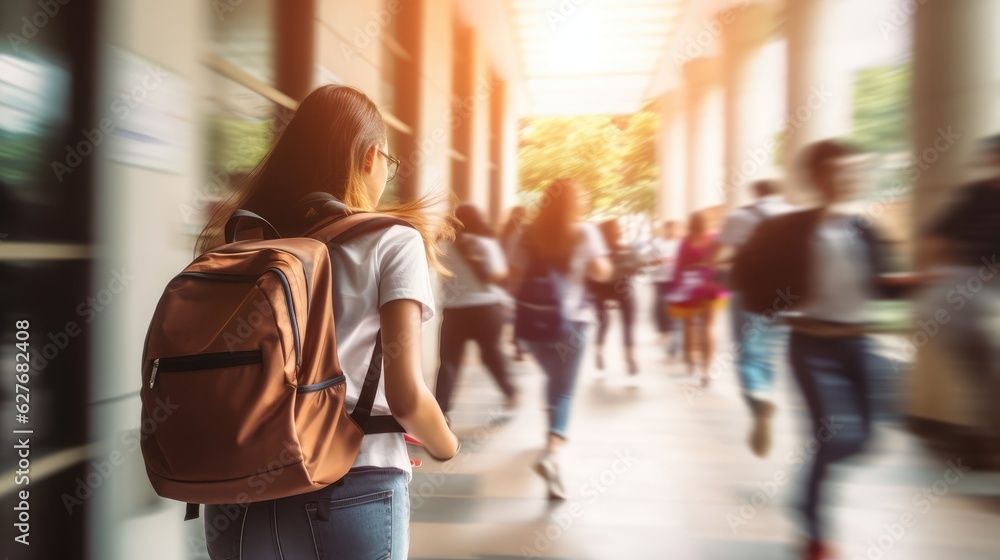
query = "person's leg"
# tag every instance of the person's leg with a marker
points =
(690, 340)
(659, 309)
(568, 356)
(755, 357)
(675, 334)
(454, 329)
(602, 330)
(849, 404)
(561, 363)
(833, 376)
(707, 342)
(486, 332)
(626, 304)
(806, 355)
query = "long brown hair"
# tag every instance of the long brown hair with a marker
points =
(323, 150)
(552, 235)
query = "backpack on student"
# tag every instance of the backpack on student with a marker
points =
(775, 265)
(539, 306)
(242, 389)
(731, 279)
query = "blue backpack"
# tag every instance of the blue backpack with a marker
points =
(540, 315)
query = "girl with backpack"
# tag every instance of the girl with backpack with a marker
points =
(336, 145)
(474, 305)
(620, 290)
(560, 252)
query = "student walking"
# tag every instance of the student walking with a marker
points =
(665, 247)
(335, 147)
(757, 337)
(474, 305)
(554, 313)
(619, 291)
(696, 296)
(823, 281)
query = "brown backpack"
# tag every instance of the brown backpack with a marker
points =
(242, 390)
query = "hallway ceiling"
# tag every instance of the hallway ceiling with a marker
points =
(591, 56)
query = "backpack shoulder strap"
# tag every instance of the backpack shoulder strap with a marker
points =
(240, 218)
(362, 413)
(340, 229)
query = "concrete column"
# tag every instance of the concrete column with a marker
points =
(819, 87)
(670, 156)
(745, 94)
(703, 156)
(956, 82)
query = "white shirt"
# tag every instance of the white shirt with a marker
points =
(590, 246)
(664, 249)
(841, 289)
(741, 222)
(465, 289)
(368, 272)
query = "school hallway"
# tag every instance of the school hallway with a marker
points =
(658, 468)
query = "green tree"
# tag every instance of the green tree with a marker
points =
(612, 156)
(881, 102)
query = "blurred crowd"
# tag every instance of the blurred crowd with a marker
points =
(787, 277)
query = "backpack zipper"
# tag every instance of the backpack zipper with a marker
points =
(286, 288)
(212, 360)
(321, 385)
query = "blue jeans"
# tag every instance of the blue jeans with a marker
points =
(833, 374)
(561, 361)
(364, 515)
(758, 340)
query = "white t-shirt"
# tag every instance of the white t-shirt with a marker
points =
(664, 249)
(841, 289)
(465, 289)
(368, 272)
(739, 225)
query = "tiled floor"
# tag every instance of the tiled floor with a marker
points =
(689, 489)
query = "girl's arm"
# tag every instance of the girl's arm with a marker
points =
(411, 402)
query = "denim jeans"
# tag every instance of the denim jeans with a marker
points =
(561, 361)
(833, 374)
(759, 340)
(364, 515)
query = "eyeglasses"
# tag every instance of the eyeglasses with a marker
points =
(393, 164)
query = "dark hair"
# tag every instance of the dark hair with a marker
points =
(764, 187)
(551, 237)
(697, 225)
(611, 232)
(323, 149)
(515, 221)
(469, 219)
(814, 156)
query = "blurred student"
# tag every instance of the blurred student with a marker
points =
(823, 280)
(510, 238)
(619, 292)
(665, 246)
(967, 234)
(696, 296)
(559, 252)
(756, 337)
(336, 145)
(474, 306)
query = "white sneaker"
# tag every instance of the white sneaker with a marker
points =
(548, 468)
